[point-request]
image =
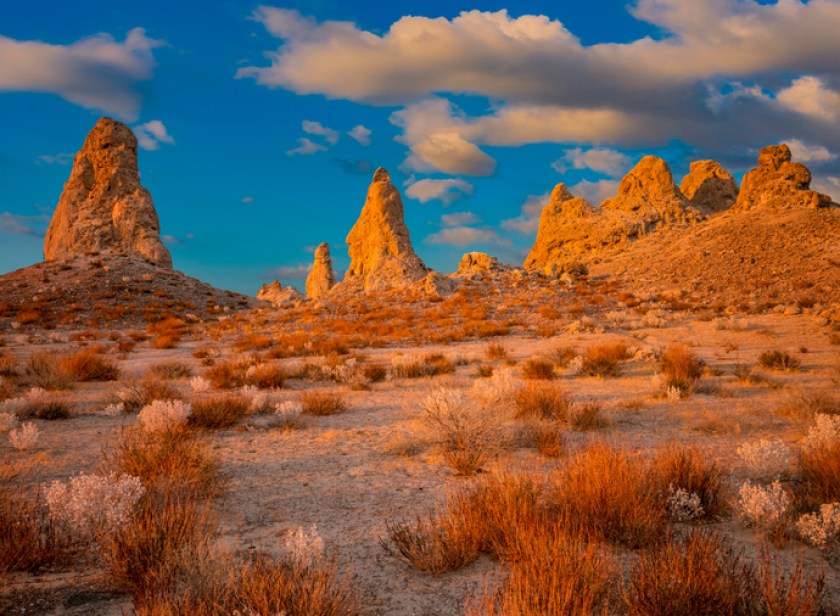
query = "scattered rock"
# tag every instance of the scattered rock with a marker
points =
(779, 183)
(709, 187)
(435, 284)
(480, 262)
(321, 279)
(381, 256)
(278, 295)
(103, 207)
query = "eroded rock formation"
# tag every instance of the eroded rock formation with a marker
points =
(709, 187)
(479, 262)
(321, 279)
(103, 207)
(277, 294)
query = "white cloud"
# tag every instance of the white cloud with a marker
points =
(96, 72)
(62, 158)
(805, 153)
(151, 134)
(316, 128)
(595, 192)
(171, 240)
(22, 225)
(603, 160)
(811, 97)
(306, 146)
(458, 219)
(449, 153)
(528, 220)
(448, 191)
(467, 236)
(361, 134)
(289, 272)
(828, 185)
(247, 200)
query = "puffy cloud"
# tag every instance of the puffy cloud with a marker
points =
(96, 72)
(595, 192)
(316, 128)
(151, 134)
(22, 225)
(448, 191)
(62, 158)
(361, 134)
(247, 200)
(528, 220)
(828, 185)
(458, 219)
(467, 236)
(805, 153)
(306, 146)
(449, 153)
(603, 160)
(811, 97)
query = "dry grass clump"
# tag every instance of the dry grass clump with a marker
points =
(495, 351)
(820, 470)
(549, 438)
(542, 400)
(806, 404)
(561, 356)
(219, 411)
(536, 368)
(44, 370)
(8, 365)
(134, 395)
(167, 332)
(265, 376)
(47, 408)
(680, 368)
(374, 373)
(778, 360)
(322, 403)
(89, 365)
(171, 370)
(227, 374)
(253, 343)
(433, 364)
(587, 417)
(602, 360)
(679, 467)
(702, 574)
(436, 364)
(630, 511)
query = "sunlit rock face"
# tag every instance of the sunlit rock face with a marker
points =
(103, 207)
(709, 187)
(479, 262)
(277, 294)
(778, 183)
(381, 255)
(321, 279)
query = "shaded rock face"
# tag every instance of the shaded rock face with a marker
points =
(381, 256)
(479, 262)
(321, 279)
(709, 187)
(277, 294)
(649, 193)
(779, 183)
(103, 206)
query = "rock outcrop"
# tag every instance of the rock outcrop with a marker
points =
(321, 279)
(381, 256)
(648, 193)
(709, 187)
(778, 183)
(277, 294)
(103, 207)
(478, 263)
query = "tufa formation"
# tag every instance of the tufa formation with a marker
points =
(277, 294)
(381, 256)
(103, 207)
(479, 263)
(321, 279)
(779, 183)
(709, 187)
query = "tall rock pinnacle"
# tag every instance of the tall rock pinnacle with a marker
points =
(103, 206)
(321, 279)
(381, 256)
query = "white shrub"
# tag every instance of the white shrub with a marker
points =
(14, 406)
(821, 529)
(500, 388)
(824, 433)
(90, 504)
(199, 384)
(305, 546)
(765, 458)
(684, 506)
(763, 507)
(25, 437)
(8, 422)
(164, 414)
(114, 410)
(289, 411)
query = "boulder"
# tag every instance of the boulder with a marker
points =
(103, 207)
(278, 295)
(480, 262)
(321, 279)
(709, 187)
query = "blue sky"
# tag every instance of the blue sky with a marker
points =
(261, 125)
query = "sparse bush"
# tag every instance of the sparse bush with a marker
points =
(549, 439)
(135, 395)
(171, 370)
(265, 376)
(374, 373)
(684, 506)
(778, 360)
(822, 528)
(765, 459)
(536, 368)
(806, 404)
(253, 343)
(289, 412)
(219, 411)
(684, 468)
(680, 368)
(227, 374)
(28, 539)
(496, 350)
(819, 459)
(199, 384)
(321, 403)
(602, 360)
(88, 365)
(43, 370)
(587, 416)
(561, 355)
(777, 594)
(162, 415)
(766, 508)
(41, 404)
(25, 437)
(8, 366)
(542, 400)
